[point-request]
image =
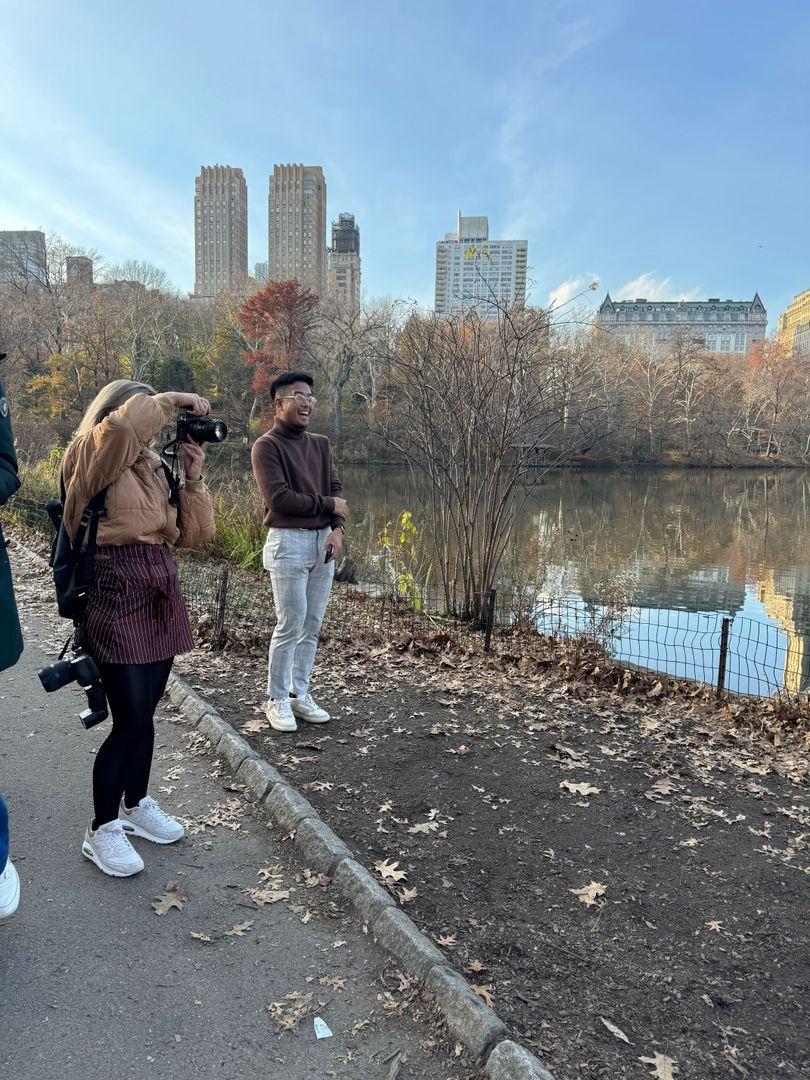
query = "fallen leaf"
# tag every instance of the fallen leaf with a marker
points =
(663, 786)
(715, 924)
(406, 895)
(270, 875)
(289, 1012)
(588, 894)
(174, 897)
(579, 789)
(665, 1067)
(447, 941)
(614, 1030)
(566, 751)
(424, 827)
(202, 937)
(484, 992)
(396, 1062)
(476, 966)
(239, 929)
(268, 896)
(388, 870)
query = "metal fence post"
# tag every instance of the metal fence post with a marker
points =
(490, 618)
(721, 667)
(219, 618)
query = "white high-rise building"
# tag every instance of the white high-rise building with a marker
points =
(474, 271)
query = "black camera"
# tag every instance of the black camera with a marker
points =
(81, 669)
(199, 429)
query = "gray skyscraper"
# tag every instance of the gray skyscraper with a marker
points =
(344, 262)
(220, 229)
(296, 229)
(23, 259)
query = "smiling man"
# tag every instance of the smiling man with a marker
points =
(304, 511)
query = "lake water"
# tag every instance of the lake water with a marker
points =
(679, 549)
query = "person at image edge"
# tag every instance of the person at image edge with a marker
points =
(11, 643)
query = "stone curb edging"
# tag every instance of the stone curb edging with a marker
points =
(469, 1020)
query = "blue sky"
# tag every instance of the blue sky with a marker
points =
(659, 148)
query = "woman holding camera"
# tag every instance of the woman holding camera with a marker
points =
(136, 621)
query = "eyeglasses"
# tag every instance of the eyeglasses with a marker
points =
(302, 399)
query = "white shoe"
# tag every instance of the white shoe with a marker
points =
(149, 821)
(306, 709)
(280, 715)
(110, 850)
(9, 890)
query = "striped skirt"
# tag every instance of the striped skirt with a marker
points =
(135, 610)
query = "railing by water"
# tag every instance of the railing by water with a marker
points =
(737, 655)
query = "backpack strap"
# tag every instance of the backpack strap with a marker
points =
(88, 523)
(173, 480)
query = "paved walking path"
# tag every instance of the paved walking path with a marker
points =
(94, 984)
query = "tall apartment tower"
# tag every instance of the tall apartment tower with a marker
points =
(344, 262)
(220, 230)
(296, 229)
(23, 259)
(473, 271)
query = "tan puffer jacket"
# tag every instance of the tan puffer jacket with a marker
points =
(116, 455)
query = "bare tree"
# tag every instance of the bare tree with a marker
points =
(473, 403)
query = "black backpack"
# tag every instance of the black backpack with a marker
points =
(74, 568)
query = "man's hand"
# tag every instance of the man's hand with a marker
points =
(193, 458)
(335, 538)
(341, 509)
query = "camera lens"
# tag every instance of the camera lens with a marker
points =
(57, 675)
(202, 430)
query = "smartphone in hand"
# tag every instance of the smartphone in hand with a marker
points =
(330, 552)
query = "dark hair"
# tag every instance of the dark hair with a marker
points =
(287, 380)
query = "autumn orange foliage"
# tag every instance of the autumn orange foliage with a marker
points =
(277, 319)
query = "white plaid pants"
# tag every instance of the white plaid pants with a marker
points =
(294, 558)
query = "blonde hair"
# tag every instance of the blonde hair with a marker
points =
(108, 399)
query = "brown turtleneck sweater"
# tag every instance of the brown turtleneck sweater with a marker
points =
(296, 477)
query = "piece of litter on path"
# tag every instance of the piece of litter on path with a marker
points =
(614, 1030)
(321, 1029)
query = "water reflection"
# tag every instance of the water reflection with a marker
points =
(680, 549)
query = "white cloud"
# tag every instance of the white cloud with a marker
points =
(652, 288)
(529, 102)
(570, 288)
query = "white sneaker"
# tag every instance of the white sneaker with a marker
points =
(9, 890)
(149, 821)
(110, 850)
(280, 715)
(306, 709)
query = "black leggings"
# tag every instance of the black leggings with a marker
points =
(124, 759)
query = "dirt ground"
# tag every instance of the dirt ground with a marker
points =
(624, 877)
